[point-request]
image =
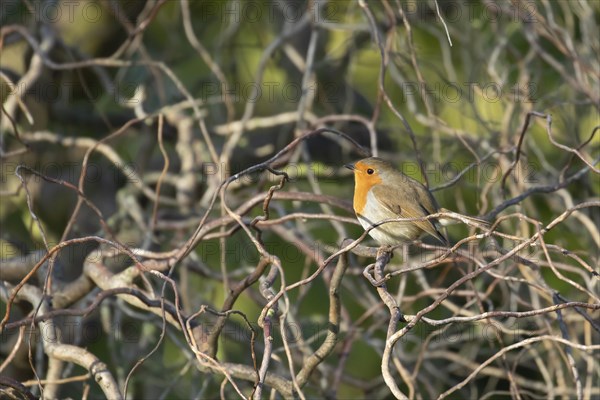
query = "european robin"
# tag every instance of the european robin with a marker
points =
(382, 192)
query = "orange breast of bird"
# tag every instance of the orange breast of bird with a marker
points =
(363, 184)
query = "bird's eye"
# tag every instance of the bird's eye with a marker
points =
(370, 171)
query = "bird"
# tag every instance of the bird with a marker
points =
(382, 192)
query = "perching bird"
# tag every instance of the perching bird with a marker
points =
(382, 192)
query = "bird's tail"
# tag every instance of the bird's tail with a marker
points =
(454, 218)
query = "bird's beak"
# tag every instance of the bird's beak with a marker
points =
(350, 166)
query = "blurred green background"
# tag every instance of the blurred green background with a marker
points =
(465, 103)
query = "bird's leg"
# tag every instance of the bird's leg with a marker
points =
(385, 249)
(384, 254)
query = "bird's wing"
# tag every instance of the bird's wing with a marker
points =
(401, 204)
